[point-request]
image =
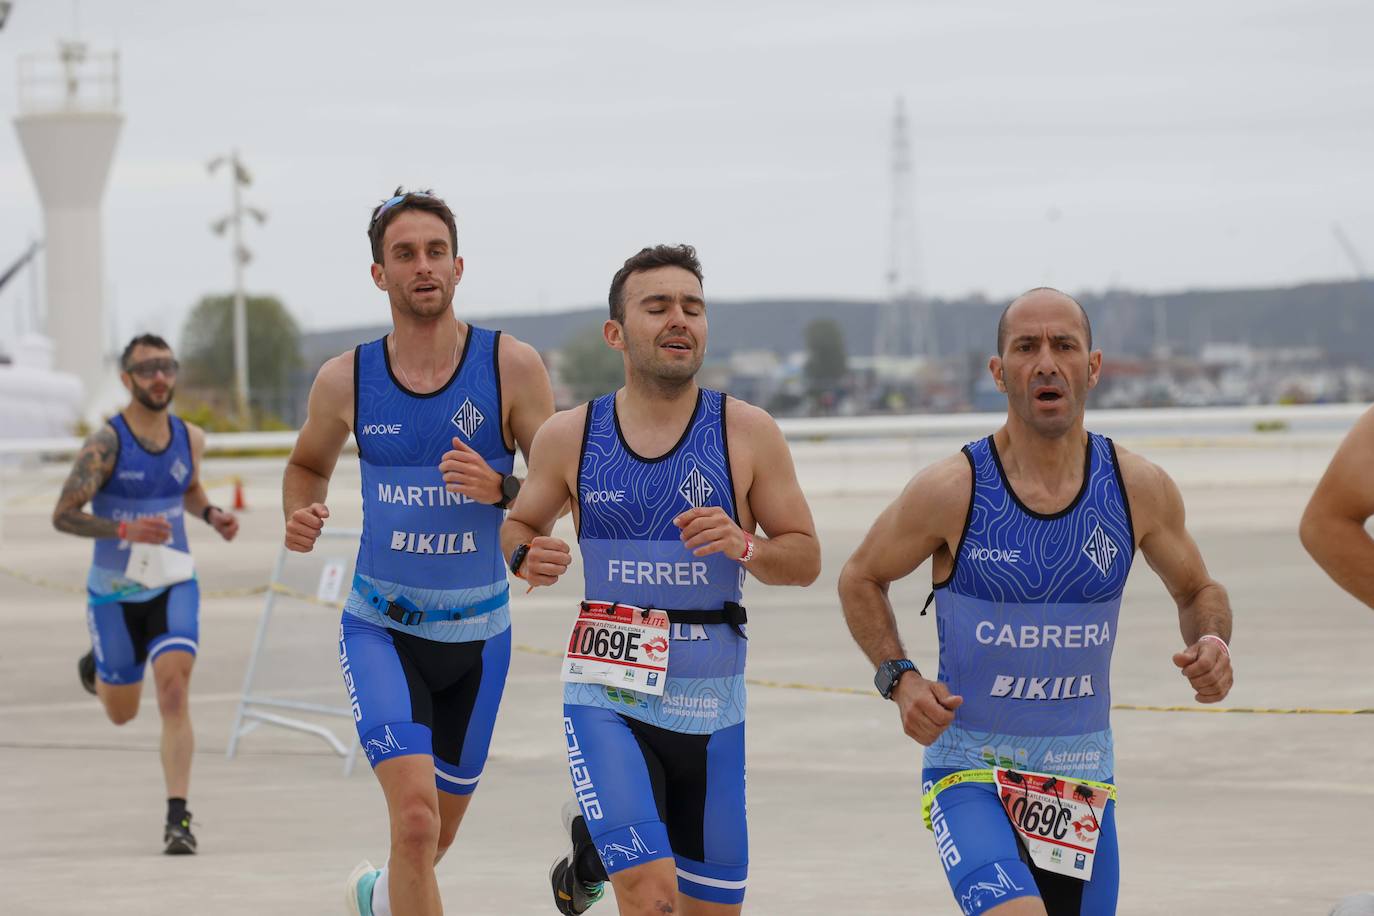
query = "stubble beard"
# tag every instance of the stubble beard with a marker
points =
(424, 312)
(665, 378)
(147, 400)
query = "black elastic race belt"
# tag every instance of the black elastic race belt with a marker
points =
(731, 613)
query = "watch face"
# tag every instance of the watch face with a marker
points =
(883, 679)
(510, 486)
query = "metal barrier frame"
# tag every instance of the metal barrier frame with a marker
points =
(252, 710)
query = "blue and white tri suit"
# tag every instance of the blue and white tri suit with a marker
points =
(131, 625)
(663, 776)
(1027, 620)
(427, 686)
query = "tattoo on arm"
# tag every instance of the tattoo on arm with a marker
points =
(94, 465)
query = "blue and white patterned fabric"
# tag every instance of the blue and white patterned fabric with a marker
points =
(632, 553)
(144, 484)
(1027, 621)
(433, 548)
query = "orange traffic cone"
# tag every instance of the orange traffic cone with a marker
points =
(239, 504)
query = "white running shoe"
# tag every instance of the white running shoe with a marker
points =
(358, 890)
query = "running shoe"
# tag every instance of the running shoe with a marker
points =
(571, 896)
(177, 838)
(358, 890)
(85, 669)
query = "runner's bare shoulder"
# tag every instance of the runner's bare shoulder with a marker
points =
(332, 393)
(561, 435)
(1151, 492)
(744, 418)
(518, 358)
(939, 494)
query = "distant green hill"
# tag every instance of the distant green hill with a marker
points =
(1338, 317)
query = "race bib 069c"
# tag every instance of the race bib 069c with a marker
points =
(1059, 819)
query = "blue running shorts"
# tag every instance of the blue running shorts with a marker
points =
(650, 793)
(417, 696)
(987, 865)
(125, 635)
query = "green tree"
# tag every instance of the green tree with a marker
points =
(589, 367)
(274, 349)
(826, 360)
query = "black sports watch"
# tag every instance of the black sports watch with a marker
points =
(517, 558)
(510, 488)
(890, 672)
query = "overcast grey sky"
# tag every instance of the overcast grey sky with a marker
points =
(1155, 146)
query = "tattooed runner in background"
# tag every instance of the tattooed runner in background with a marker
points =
(140, 472)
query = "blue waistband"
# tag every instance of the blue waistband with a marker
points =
(404, 611)
(127, 592)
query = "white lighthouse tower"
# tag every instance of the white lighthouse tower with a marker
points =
(68, 124)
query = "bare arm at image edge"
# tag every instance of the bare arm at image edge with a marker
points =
(1333, 527)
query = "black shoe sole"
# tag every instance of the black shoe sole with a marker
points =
(179, 848)
(563, 906)
(85, 670)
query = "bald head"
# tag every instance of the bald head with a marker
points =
(1041, 294)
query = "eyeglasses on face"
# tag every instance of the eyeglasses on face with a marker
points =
(149, 368)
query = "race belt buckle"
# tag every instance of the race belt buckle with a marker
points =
(618, 645)
(1059, 819)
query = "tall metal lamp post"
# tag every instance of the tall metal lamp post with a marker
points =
(240, 178)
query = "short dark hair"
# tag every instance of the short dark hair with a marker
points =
(684, 256)
(142, 340)
(1002, 322)
(402, 200)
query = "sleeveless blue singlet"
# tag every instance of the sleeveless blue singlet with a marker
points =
(437, 549)
(1027, 621)
(632, 553)
(143, 484)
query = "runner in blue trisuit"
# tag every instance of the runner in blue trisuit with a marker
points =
(437, 407)
(140, 471)
(1031, 532)
(669, 483)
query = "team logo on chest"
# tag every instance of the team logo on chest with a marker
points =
(179, 471)
(468, 419)
(1100, 549)
(696, 489)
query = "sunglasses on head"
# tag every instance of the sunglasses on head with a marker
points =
(151, 367)
(394, 201)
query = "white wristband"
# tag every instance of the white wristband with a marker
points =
(1225, 648)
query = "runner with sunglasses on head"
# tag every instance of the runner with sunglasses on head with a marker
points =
(437, 407)
(1031, 532)
(141, 473)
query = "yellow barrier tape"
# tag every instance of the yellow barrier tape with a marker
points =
(68, 588)
(250, 591)
(1256, 710)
